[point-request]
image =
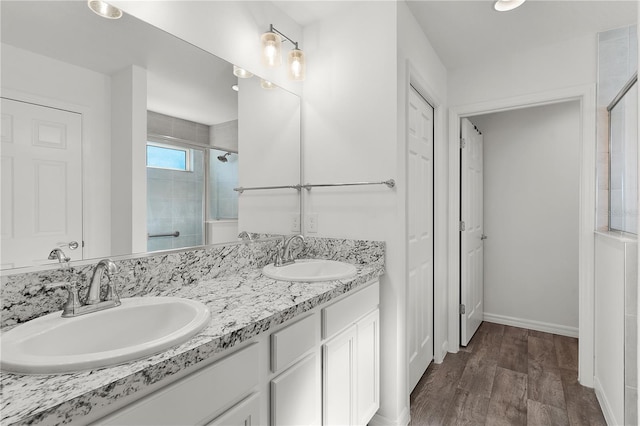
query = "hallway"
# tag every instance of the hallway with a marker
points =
(507, 376)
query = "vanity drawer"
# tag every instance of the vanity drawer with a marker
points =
(346, 311)
(198, 397)
(292, 342)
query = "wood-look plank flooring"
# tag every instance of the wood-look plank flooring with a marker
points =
(507, 376)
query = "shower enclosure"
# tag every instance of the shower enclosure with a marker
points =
(188, 185)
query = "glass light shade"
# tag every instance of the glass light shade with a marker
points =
(296, 65)
(104, 9)
(506, 5)
(271, 50)
(266, 84)
(241, 72)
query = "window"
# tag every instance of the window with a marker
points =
(168, 157)
(623, 159)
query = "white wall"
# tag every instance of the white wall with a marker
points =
(269, 147)
(564, 64)
(44, 80)
(353, 130)
(128, 161)
(349, 133)
(230, 30)
(531, 190)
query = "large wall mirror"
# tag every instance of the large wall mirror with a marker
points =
(119, 138)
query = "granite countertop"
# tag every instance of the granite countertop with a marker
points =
(242, 306)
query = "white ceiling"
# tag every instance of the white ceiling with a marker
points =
(182, 80)
(465, 32)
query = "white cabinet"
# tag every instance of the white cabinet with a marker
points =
(368, 367)
(245, 413)
(338, 356)
(295, 390)
(350, 359)
(294, 395)
(321, 367)
(197, 398)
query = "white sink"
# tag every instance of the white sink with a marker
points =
(140, 327)
(306, 270)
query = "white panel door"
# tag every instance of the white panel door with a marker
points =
(41, 182)
(472, 237)
(420, 236)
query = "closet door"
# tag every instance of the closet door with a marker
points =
(420, 236)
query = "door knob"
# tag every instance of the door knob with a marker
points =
(483, 237)
(73, 245)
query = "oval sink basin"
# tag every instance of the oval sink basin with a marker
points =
(311, 270)
(138, 328)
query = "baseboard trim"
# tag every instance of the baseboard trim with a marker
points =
(546, 327)
(604, 403)
(402, 420)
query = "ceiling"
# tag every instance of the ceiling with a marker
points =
(466, 32)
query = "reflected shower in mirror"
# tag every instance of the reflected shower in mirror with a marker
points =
(109, 97)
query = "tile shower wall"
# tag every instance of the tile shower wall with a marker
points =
(617, 61)
(175, 199)
(223, 177)
(175, 202)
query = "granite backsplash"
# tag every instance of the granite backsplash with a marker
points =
(24, 296)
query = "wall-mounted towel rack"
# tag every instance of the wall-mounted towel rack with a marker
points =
(241, 189)
(174, 234)
(390, 183)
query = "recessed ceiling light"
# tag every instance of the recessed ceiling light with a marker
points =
(506, 5)
(241, 72)
(104, 9)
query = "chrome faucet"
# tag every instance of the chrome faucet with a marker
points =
(74, 307)
(286, 257)
(244, 235)
(93, 294)
(57, 254)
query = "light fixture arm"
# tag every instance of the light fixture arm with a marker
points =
(274, 30)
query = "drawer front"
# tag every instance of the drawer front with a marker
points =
(346, 311)
(199, 396)
(245, 413)
(292, 342)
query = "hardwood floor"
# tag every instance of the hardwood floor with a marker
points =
(507, 376)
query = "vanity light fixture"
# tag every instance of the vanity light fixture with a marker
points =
(506, 5)
(241, 72)
(272, 56)
(104, 9)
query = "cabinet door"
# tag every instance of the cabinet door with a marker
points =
(338, 378)
(294, 395)
(368, 367)
(245, 413)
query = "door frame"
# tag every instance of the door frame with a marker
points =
(586, 96)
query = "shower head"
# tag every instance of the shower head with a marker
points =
(224, 158)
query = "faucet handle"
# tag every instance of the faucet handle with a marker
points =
(73, 301)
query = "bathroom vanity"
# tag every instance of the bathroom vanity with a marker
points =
(275, 352)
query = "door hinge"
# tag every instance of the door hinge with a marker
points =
(463, 309)
(462, 225)
(83, 244)
(463, 143)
